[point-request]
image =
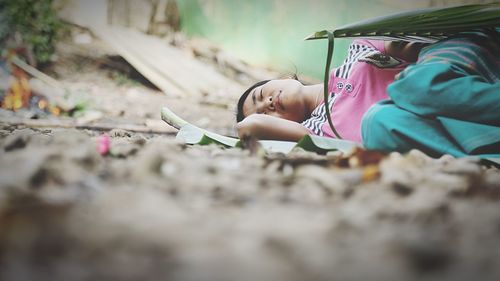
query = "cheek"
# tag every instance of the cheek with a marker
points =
(248, 109)
(292, 101)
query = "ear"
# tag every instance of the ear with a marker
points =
(290, 76)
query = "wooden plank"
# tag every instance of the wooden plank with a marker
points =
(154, 77)
(189, 73)
(45, 85)
(162, 58)
(170, 69)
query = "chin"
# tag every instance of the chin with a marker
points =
(295, 119)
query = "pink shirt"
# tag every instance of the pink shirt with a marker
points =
(357, 84)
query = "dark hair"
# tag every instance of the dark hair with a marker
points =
(241, 101)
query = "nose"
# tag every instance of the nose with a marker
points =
(265, 105)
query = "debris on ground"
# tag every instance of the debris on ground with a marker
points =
(105, 193)
(151, 207)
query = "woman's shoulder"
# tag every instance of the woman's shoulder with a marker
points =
(375, 45)
(357, 52)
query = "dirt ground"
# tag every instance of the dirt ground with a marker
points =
(155, 208)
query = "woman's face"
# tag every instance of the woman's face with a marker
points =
(279, 98)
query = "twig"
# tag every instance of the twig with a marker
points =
(43, 123)
(36, 73)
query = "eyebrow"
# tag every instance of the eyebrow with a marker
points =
(253, 96)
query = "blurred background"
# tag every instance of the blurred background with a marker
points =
(80, 58)
(262, 32)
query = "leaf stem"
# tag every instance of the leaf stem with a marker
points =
(325, 83)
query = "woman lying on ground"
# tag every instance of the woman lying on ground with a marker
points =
(445, 99)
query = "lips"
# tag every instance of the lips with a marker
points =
(278, 101)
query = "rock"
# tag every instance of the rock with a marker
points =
(137, 139)
(17, 140)
(402, 189)
(89, 116)
(123, 148)
(463, 166)
(324, 177)
(119, 133)
(20, 169)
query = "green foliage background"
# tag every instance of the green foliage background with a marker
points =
(35, 20)
(272, 32)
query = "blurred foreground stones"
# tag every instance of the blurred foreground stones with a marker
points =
(157, 209)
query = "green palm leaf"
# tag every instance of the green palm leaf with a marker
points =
(424, 25)
(191, 134)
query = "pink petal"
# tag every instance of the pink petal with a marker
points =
(103, 143)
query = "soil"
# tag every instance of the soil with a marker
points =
(154, 208)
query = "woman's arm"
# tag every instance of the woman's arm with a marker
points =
(403, 50)
(269, 127)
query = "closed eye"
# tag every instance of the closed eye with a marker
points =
(261, 96)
